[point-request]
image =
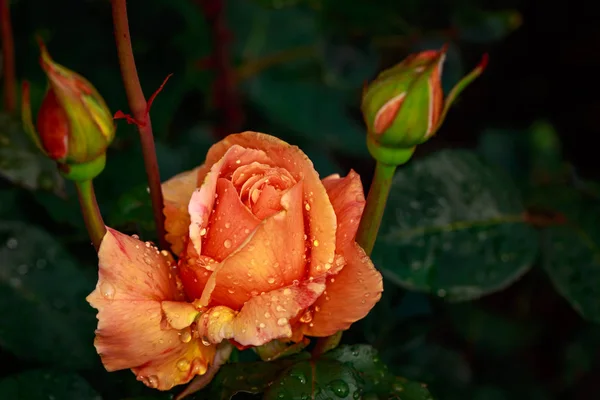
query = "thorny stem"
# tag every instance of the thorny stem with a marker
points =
(8, 59)
(367, 231)
(91, 213)
(225, 96)
(138, 105)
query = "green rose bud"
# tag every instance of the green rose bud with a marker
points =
(404, 106)
(74, 124)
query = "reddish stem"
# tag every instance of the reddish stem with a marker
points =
(8, 57)
(225, 96)
(139, 108)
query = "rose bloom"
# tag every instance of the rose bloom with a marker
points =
(266, 250)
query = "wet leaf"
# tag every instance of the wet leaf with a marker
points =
(46, 385)
(377, 378)
(316, 379)
(22, 163)
(454, 227)
(571, 250)
(246, 377)
(44, 315)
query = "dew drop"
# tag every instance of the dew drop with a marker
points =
(339, 388)
(107, 290)
(282, 321)
(205, 341)
(227, 243)
(152, 381)
(271, 280)
(231, 291)
(295, 282)
(183, 365)
(287, 291)
(280, 308)
(12, 243)
(267, 315)
(227, 225)
(185, 335)
(306, 317)
(261, 325)
(327, 267)
(135, 236)
(316, 243)
(307, 206)
(203, 232)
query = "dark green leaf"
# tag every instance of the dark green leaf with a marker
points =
(246, 377)
(375, 375)
(571, 251)
(311, 110)
(42, 300)
(133, 211)
(319, 380)
(46, 385)
(22, 163)
(454, 227)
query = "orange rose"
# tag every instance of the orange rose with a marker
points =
(266, 251)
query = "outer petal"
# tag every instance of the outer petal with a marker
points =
(272, 256)
(177, 192)
(321, 219)
(348, 200)
(349, 295)
(262, 318)
(202, 201)
(134, 278)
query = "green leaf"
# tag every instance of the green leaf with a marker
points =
(571, 250)
(245, 377)
(133, 211)
(44, 315)
(375, 375)
(46, 385)
(311, 110)
(454, 227)
(22, 163)
(319, 380)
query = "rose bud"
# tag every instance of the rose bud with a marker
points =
(74, 124)
(404, 106)
(266, 250)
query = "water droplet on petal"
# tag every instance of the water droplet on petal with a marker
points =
(271, 280)
(306, 317)
(287, 291)
(316, 243)
(231, 291)
(152, 381)
(295, 282)
(205, 341)
(203, 232)
(227, 243)
(267, 315)
(307, 206)
(261, 325)
(282, 321)
(227, 225)
(183, 365)
(107, 290)
(185, 335)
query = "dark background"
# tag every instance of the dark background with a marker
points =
(295, 70)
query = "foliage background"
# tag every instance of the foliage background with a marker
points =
(296, 70)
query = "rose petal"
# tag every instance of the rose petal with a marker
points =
(230, 224)
(268, 203)
(177, 192)
(348, 200)
(179, 315)
(194, 272)
(272, 257)
(133, 280)
(202, 201)
(262, 318)
(321, 219)
(349, 295)
(132, 270)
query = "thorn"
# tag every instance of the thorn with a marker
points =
(130, 119)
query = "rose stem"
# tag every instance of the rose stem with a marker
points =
(8, 57)
(376, 200)
(91, 213)
(367, 232)
(138, 106)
